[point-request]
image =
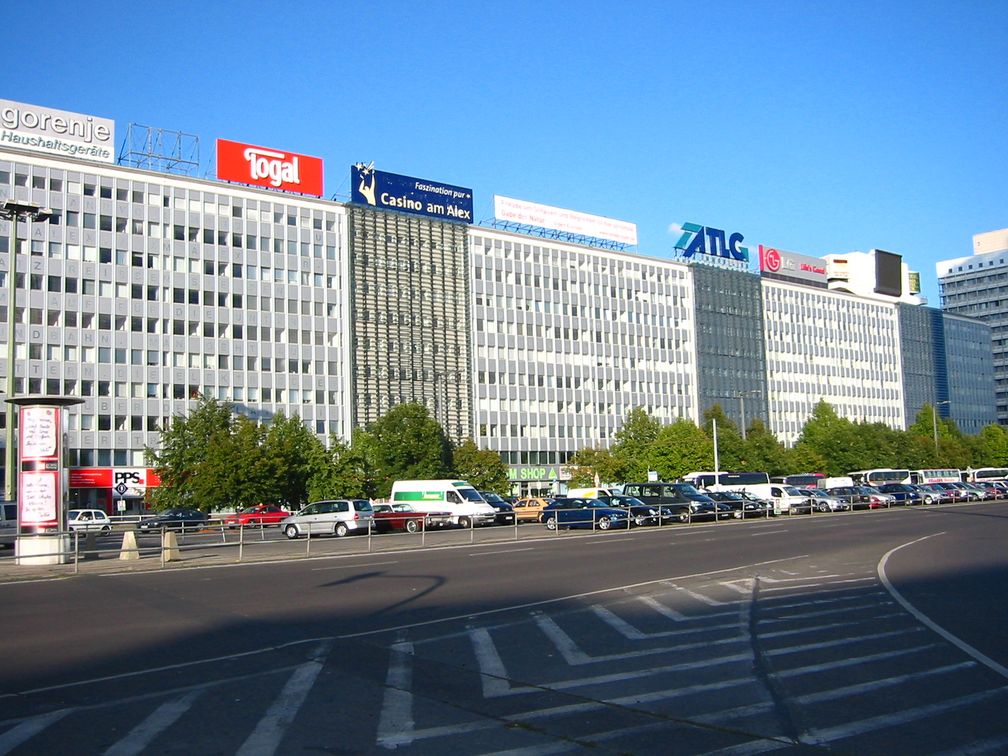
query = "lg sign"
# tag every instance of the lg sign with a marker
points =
(274, 169)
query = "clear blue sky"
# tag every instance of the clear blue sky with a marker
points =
(812, 126)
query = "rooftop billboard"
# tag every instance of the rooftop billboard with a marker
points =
(56, 132)
(778, 262)
(390, 191)
(270, 168)
(568, 221)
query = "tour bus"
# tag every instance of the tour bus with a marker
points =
(986, 474)
(801, 480)
(467, 507)
(879, 476)
(727, 481)
(947, 475)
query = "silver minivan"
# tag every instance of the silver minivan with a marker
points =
(8, 523)
(338, 517)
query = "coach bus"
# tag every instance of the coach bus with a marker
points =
(800, 480)
(949, 475)
(982, 474)
(879, 476)
(720, 481)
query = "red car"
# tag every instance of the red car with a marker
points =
(261, 514)
(399, 516)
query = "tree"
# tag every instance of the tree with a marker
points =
(338, 472)
(234, 471)
(730, 444)
(633, 440)
(592, 462)
(404, 444)
(762, 452)
(679, 449)
(183, 447)
(482, 468)
(293, 450)
(832, 439)
(991, 447)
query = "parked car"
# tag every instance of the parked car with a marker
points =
(675, 498)
(505, 512)
(954, 493)
(85, 520)
(850, 494)
(8, 523)
(943, 495)
(742, 504)
(876, 499)
(584, 513)
(902, 493)
(178, 518)
(640, 513)
(261, 514)
(339, 517)
(821, 501)
(789, 500)
(530, 509)
(927, 496)
(402, 516)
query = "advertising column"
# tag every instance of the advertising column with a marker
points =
(42, 479)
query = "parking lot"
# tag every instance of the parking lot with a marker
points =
(863, 633)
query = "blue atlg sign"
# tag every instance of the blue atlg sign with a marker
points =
(702, 240)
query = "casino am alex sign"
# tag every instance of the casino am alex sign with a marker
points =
(391, 191)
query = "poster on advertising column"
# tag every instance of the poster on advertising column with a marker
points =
(39, 499)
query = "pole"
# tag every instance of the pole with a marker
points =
(741, 402)
(934, 425)
(10, 479)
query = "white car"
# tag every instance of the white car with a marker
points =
(89, 520)
(338, 517)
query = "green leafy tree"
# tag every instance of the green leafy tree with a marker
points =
(762, 452)
(590, 462)
(291, 450)
(832, 439)
(184, 445)
(633, 440)
(991, 447)
(730, 444)
(338, 472)
(235, 472)
(482, 468)
(679, 449)
(404, 444)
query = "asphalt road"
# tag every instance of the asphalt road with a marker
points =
(869, 632)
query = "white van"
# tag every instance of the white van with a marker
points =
(589, 493)
(8, 523)
(467, 507)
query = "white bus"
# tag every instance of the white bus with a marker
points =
(727, 481)
(879, 476)
(948, 475)
(982, 474)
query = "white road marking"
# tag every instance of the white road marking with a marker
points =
(851, 661)
(704, 599)
(921, 617)
(265, 738)
(493, 673)
(827, 584)
(829, 627)
(574, 656)
(163, 717)
(854, 690)
(665, 611)
(841, 642)
(627, 630)
(505, 551)
(395, 723)
(740, 586)
(768, 532)
(29, 729)
(351, 566)
(980, 747)
(831, 734)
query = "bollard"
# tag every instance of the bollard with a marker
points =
(129, 550)
(472, 530)
(370, 523)
(76, 552)
(423, 531)
(241, 541)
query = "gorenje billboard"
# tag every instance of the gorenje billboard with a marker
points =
(390, 191)
(56, 132)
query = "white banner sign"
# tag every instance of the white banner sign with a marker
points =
(568, 221)
(57, 132)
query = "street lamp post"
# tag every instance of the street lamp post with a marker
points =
(741, 398)
(14, 212)
(934, 422)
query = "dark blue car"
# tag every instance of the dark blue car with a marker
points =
(584, 513)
